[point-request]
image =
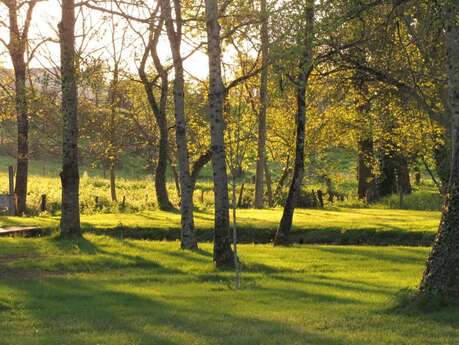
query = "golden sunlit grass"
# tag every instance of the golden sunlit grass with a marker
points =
(107, 291)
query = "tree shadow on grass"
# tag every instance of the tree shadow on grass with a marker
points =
(76, 309)
(412, 257)
(77, 245)
(337, 283)
(195, 255)
(82, 255)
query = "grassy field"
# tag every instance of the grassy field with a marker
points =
(339, 226)
(128, 282)
(107, 291)
(137, 187)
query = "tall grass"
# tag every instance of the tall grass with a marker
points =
(136, 188)
(421, 200)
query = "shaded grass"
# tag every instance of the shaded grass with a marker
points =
(334, 226)
(107, 291)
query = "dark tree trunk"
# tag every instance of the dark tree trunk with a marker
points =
(17, 48)
(162, 196)
(159, 111)
(283, 232)
(365, 172)
(261, 159)
(403, 176)
(387, 180)
(417, 176)
(282, 180)
(198, 165)
(70, 219)
(223, 254)
(269, 185)
(114, 104)
(188, 236)
(441, 277)
(113, 183)
(23, 134)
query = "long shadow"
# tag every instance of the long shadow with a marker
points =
(195, 255)
(79, 244)
(418, 258)
(71, 250)
(102, 306)
(89, 307)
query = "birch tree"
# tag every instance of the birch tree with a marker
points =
(223, 254)
(70, 179)
(174, 34)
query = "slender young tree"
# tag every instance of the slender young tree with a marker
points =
(223, 254)
(19, 40)
(174, 34)
(158, 106)
(305, 69)
(261, 159)
(70, 179)
(115, 102)
(441, 277)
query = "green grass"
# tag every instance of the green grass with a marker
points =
(428, 199)
(107, 291)
(137, 187)
(339, 226)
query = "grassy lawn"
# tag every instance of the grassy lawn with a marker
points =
(339, 226)
(103, 290)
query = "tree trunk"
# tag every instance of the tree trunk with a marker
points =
(269, 185)
(282, 180)
(283, 232)
(188, 236)
(70, 219)
(403, 176)
(387, 180)
(223, 254)
(441, 277)
(17, 45)
(113, 183)
(261, 159)
(114, 103)
(162, 196)
(199, 164)
(23, 133)
(365, 173)
(159, 111)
